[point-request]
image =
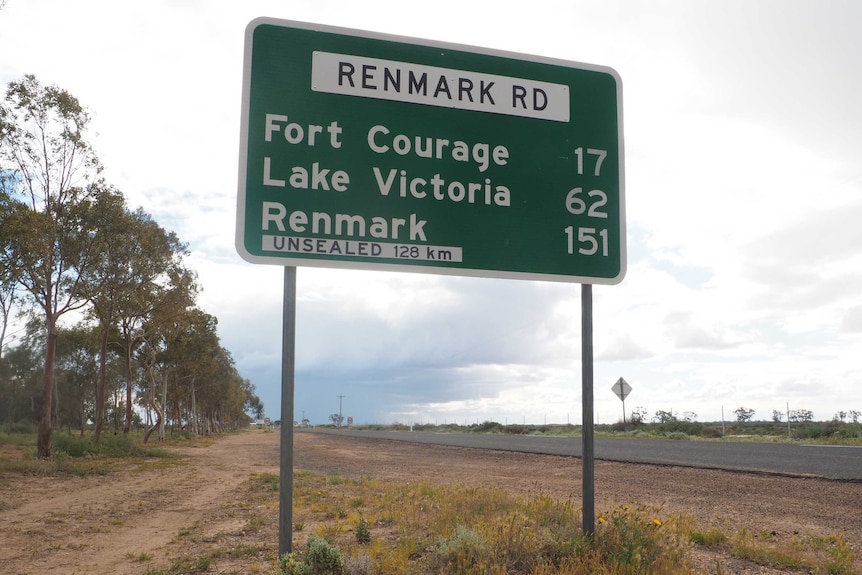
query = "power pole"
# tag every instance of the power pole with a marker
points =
(340, 418)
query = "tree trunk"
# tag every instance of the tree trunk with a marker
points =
(194, 420)
(101, 383)
(12, 383)
(116, 411)
(128, 425)
(43, 442)
(164, 407)
(159, 419)
(178, 417)
(55, 406)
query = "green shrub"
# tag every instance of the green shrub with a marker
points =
(461, 552)
(710, 539)
(289, 564)
(324, 558)
(112, 446)
(321, 558)
(71, 445)
(116, 446)
(363, 531)
(487, 427)
(24, 427)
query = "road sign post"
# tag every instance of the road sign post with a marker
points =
(588, 481)
(288, 369)
(369, 151)
(622, 389)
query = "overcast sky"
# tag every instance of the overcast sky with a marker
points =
(743, 139)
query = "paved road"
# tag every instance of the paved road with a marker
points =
(833, 462)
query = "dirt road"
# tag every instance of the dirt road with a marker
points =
(199, 513)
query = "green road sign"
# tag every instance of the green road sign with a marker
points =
(368, 151)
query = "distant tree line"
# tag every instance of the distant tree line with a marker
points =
(640, 415)
(113, 329)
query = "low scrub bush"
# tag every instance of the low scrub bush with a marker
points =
(111, 446)
(320, 558)
(25, 427)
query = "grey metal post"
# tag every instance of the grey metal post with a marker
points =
(588, 480)
(288, 364)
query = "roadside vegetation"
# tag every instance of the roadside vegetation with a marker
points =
(667, 425)
(77, 455)
(361, 526)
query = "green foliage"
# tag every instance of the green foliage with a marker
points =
(830, 431)
(189, 565)
(462, 552)
(24, 427)
(634, 540)
(841, 559)
(710, 539)
(111, 446)
(324, 558)
(264, 482)
(820, 555)
(487, 427)
(138, 557)
(69, 234)
(320, 558)
(21, 438)
(291, 564)
(743, 414)
(363, 531)
(72, 445)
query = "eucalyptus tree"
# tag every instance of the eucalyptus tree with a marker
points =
(8, 283)
(253, 403)
(196, 376)
(193, 356)
(157, 333)
(131, 278)
(21, 365)
(102, 278)
(236, 397)
(224, 395)
(49, 179)
(162, 287)
(77, 366)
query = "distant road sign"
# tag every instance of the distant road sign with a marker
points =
(368, 151)
(621, 389)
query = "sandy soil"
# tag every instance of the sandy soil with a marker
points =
(162, 514)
